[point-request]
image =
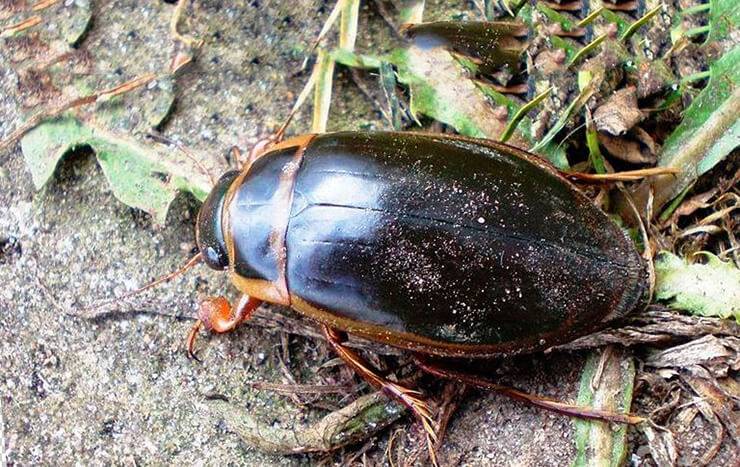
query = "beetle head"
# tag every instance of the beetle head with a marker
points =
(209, 233)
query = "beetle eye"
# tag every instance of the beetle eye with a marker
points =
(209, 234)
(214, 257)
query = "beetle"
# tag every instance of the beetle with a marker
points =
(442, 245)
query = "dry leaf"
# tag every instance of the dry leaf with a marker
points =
(636, 147)
(718, 355)
(357, 421)
(619, 113)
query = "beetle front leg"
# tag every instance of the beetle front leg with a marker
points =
(216, 314)
(409, 397)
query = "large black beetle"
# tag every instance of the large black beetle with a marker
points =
(443, 245)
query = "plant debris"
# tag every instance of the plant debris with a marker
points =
(619, 113)
(607, 382)
(140, 175)
(355, 422)
(710, 289)
(655, 326)
(637, 147)
(718, 355)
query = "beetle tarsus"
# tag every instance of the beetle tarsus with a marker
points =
(192, 335)
(409, 397)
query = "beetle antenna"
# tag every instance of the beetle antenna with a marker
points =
(167, 277)
(189, 155)
(160, 280)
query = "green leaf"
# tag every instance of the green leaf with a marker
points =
(140, 176)
(410, 11)
(322, 91)
(594, 152)
(614, 18)
(709, 131)
(634, 27)
(523, 128)
(711, 289)
(441, 90)
(566, 23)
(387, 77)
(547, 145)
(607, 383)
(441, 86)
(520, 114)
(724, 18)
(354, 60)
(566, 45)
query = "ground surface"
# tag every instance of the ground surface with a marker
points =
(119, 389)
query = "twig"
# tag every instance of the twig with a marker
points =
(101, 96)
(43, 4)
(300, 388)
(655, 325)
(21, 26)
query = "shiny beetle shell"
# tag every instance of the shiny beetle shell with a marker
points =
(435, 243)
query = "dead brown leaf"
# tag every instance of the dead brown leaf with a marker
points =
(656, 325)
(688, 207)
(636, 147)
(661, 444)
(720, 403)
(654, 77)
(548, 62)
(718, 355)
(619, 113)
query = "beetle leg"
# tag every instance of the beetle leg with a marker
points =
(234, 159)
(260, 147)
(216, 314)
(409, 397)
(538, 401)
(241, 162)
